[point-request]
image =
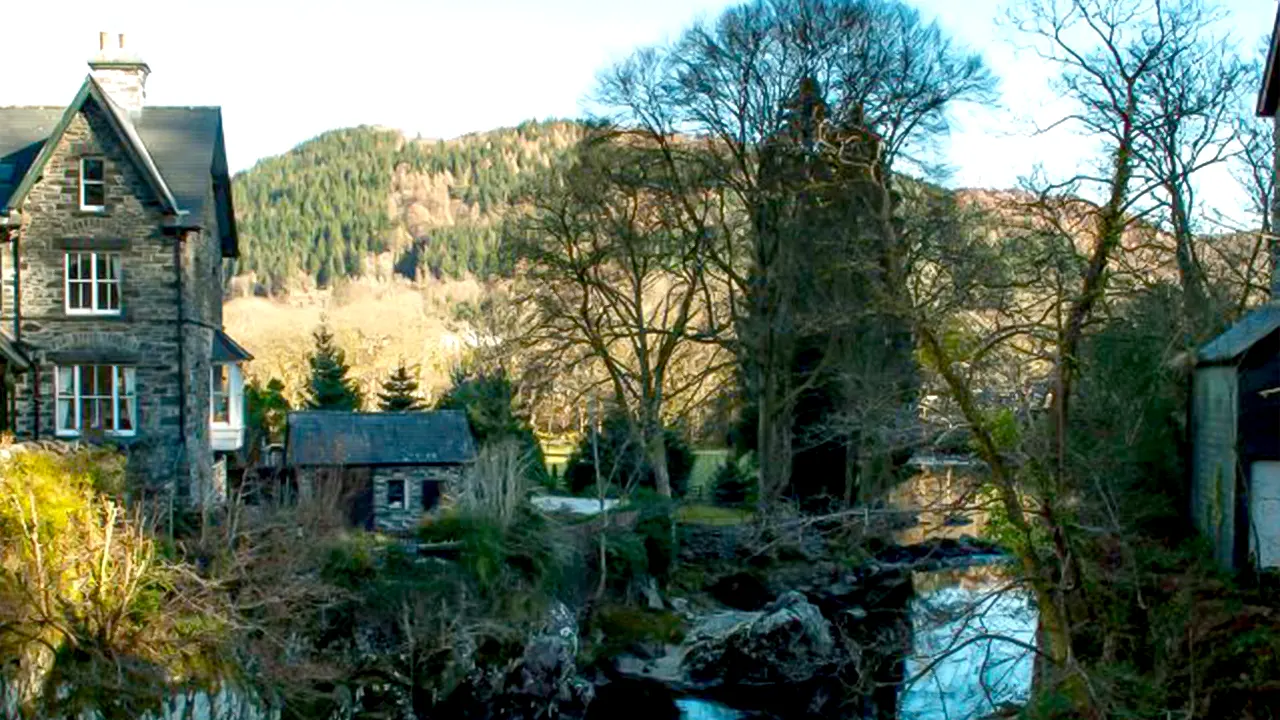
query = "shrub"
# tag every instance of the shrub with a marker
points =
(622, 461)
(495, 486)
(731, 486)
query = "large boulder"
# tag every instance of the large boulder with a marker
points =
(789, 641)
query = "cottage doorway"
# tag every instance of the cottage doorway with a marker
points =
(1264, 513)
(358, 490)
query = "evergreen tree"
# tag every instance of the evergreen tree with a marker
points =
(400, 392)
(329, 387)
(268, 410)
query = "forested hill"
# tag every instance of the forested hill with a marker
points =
(327, 207)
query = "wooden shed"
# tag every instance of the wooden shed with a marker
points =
(1235, 426)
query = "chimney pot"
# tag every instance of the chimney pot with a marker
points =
(102, 41)
(121, 41)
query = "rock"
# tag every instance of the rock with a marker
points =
(681, 606)
(856, 613)
(652, 598)
(741, 590)
(789, 641)
(546, 666)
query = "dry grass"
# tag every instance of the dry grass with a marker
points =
(377, 323)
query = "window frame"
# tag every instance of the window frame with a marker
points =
(85, 182)
(126, 374)
(219, 372)
(114, 263)
(404, 494)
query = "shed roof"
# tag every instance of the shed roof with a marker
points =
(1269, 94)
(182, 147)
(1241, 336)
(326, 437)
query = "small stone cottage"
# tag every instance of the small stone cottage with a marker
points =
(117, 232)
(388, 469)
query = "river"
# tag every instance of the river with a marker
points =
(962, 664)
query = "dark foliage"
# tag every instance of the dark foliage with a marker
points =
(329, 387)
(400, 392)
(495, 413)
(623, 462)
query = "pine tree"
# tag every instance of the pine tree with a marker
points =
(399, 392)
(329, 387)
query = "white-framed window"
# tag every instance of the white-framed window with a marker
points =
(92, 283)
(220, 394)
(96, 398)
(395, 494)
(93, 183)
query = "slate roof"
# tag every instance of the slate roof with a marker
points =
(1237, 339)
(226, 350)
(182, 146)
(323, 437)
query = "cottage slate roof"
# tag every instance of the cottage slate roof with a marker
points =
(226, 350)
(1237, 339)
(325, 437)
(182, 147)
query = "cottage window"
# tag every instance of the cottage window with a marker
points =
(96, 398)
(93, 183)
(220, 394)
(395, 494)
(93, 283)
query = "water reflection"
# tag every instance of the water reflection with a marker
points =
(697, 709)
(962, 665)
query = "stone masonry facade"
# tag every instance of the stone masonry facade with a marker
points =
(165, 335)
(407, 517)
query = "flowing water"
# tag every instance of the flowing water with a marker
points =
(972, 634)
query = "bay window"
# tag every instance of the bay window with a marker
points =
(226, 406)
(220, 395)
(96, 398)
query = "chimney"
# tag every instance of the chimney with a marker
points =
(121, 74)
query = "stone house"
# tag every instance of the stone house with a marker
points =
(116, 232)
(1235, 411)
(387, 469)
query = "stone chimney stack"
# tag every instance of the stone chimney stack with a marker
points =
(121, 73)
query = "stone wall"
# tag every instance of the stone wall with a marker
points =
(407, 517)
(145, 334)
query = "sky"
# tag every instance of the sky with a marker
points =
(286, 70)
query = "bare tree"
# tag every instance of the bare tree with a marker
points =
(612, 261)
(730, 84)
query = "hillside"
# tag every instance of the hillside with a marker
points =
(326, 209)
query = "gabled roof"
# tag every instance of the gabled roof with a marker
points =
(1269, 94)
(1237, 339)
(123, 126)
(182, 147)
(225, 350)
(330, 438)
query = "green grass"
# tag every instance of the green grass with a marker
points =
(713, 515)
(705, 464)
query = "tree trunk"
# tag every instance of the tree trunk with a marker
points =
(656, 449)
